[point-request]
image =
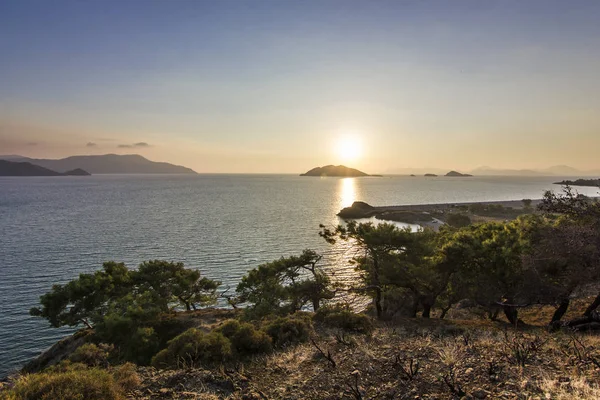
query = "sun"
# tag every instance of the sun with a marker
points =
(348, 147)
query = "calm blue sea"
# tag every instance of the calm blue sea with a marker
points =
(53, 228)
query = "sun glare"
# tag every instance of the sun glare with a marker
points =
(348, 148)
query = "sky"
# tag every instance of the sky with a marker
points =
(283, 86)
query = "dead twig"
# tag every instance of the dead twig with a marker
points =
(327, 355)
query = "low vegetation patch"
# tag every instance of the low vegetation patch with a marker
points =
(193, 349)
(294, 329)
(342, 317)
(74, 382)
(245, 339)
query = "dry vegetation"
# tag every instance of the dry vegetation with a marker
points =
(405, 359)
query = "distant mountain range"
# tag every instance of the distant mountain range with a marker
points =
(557, 170)
(15, 168)
(105, 164)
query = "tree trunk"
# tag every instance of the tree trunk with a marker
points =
(316, 304)
(494, 314)
(444, 312)
(512, 314)
(592, 307)
(86, 323)
(560, 311)
(378, 303)
(415, 308)
(426, 310)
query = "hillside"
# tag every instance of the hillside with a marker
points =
(108, 164)
(407, 358)
(14, 168)
(335, 170)
(11, 168)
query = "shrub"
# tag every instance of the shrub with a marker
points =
(458, 220)
(74, 383)
(245, 339)
(290, 330)
(127, 377)
(194, 348)
(92, 355)
(340, 316)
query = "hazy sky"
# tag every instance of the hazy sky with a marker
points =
(270, 86)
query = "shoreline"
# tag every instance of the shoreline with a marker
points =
(516, 204)
(437, 214)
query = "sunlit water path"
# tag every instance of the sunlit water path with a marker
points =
(52, 229)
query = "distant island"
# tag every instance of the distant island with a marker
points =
(13, 168)
(580, 182)
(105, 164)
(430, 175)
(455, 173)
(335, 170)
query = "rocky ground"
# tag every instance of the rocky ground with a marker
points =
(403, 360)
(465, 357)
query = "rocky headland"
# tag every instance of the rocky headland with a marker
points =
(580, 182)
(434, 215)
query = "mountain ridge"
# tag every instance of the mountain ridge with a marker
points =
(18, 168)
(555, 170)
(105, 164)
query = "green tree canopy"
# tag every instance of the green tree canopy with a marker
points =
(286, 285)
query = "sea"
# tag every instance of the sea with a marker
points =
(54, 228)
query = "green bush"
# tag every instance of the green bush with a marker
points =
(458, 220)
(194, 348)
(92, 355)
(70, 382)
(245, 339)
(290, 330)
(342, 317)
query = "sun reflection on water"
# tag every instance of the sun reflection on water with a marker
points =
(347, 192)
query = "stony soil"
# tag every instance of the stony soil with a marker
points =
(465, 359)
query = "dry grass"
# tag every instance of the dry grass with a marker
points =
(75, 382)
(567, 389)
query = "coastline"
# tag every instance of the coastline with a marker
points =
(516, 204)
(437, 214)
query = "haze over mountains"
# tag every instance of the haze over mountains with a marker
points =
(105, 164)
(557, 170)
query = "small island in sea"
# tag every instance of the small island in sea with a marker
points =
(580, 182)
(12, 168)
(455, 173)
(430, 175)
(336, 170)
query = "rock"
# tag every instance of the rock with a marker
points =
(58, 352)
(358, 209)
(480, 393)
